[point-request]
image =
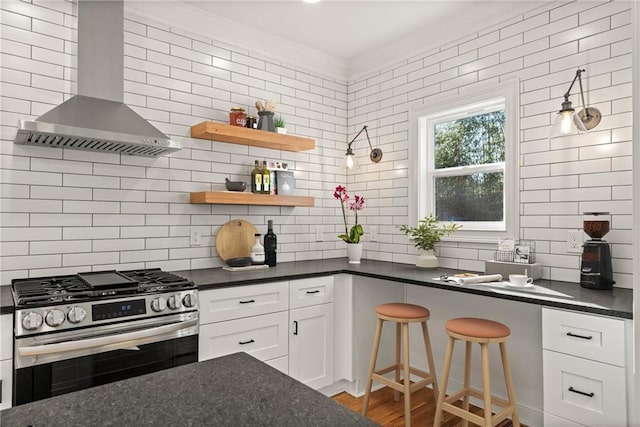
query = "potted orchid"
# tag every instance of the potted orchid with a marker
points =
(351, 236)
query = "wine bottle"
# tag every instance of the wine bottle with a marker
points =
(270, 245)
(256, 178)
(266, 178)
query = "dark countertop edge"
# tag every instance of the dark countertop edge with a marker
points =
(331, 267)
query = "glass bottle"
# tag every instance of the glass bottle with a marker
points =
(266, 178)
(257, 251)
(256, 178)
(270, 245)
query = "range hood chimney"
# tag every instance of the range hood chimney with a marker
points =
(97, 119)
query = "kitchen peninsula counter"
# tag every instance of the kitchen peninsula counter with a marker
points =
(617, 302)
(233, 390)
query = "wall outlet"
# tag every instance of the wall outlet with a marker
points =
(574, 241)
(195, 238)
(373, 232)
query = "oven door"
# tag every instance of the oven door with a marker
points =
(54, 364)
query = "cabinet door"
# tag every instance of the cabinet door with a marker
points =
(311, 345)
(587, 392)
(264, 337)
(6, 367)
(242, 301)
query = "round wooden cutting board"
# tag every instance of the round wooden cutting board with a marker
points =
(235, 238)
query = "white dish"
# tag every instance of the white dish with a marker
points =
(511, 285)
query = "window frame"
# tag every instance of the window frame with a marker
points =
(421, 203)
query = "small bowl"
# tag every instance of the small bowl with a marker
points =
(239, 262)
(234, 185)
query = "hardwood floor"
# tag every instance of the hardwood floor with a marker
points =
(389, 413)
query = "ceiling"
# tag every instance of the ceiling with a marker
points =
(343, 37)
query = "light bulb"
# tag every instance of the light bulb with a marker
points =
(349, 161)
(565, 125)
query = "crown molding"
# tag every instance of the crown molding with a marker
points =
(182, 16)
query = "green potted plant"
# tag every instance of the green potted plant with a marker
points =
(426, 236)
(280, 125)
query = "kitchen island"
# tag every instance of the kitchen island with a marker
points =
(233, 390)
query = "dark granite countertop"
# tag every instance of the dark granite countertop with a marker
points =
(617, 302)
(233, 390)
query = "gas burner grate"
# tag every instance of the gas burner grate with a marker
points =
(156, 280)
(45, 290)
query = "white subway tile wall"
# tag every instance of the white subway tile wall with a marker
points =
(68, 211)
(558, 182)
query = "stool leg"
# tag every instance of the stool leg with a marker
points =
(407, 375)
(467, 379)
(443, 383)
(507, 377)
(396, 393)
(372, 366)
(486, 385)
(432, 365)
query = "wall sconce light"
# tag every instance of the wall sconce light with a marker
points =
(350, 161)
(568, 122)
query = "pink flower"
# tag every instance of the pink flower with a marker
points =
(353, 235)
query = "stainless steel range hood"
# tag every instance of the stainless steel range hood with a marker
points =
(96, 119)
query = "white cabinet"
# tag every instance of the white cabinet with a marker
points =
(583, 368)
(243, 301)
(264, 337)
(311, 337)
(288, 325)
(253, 319)
(6, 359)
(311, 345)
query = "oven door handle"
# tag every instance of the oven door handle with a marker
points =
(116, 341)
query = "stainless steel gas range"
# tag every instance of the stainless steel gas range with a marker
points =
(78, 331)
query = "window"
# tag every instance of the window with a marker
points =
(465, 157)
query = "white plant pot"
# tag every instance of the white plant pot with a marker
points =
(427, 259)
(281, 130)
(354, 252)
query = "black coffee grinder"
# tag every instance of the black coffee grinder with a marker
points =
(595, 271)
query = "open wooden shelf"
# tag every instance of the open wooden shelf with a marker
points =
(257, 138)
(242, 198)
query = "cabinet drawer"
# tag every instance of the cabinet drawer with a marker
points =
(584, 391)
(264, 337)
(306, 292)
(236, 302)
(592, 337)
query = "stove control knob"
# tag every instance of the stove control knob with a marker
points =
(158, 304)
(76, 314)
(32, 321)
(189, 300)
(174, 302)
(55, 318)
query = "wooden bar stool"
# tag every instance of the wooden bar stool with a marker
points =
(402, 315)
(483, 332)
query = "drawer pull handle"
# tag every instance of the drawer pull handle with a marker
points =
(313, 292)
(584, 337)
(249, 301)
(571, 389)
(246, 342)
(295, 327)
